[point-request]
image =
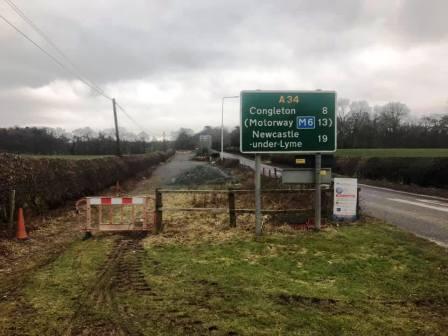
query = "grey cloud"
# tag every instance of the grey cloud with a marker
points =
(212, 48)
(421, 21)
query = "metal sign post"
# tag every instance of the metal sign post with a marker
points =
(317, 200)
(257, 195)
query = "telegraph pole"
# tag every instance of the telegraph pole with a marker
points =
(117, 134)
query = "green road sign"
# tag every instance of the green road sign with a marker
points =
(288, 121)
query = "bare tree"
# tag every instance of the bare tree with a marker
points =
(392, 116)
(342, 109)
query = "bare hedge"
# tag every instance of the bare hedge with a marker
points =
(425, 172)
(45, 183)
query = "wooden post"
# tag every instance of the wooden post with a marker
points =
(88, 216)
(358, 206)
(12, 209)
(232, 214)
(158, 218)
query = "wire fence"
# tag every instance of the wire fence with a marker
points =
(266, 170)
(230, 195)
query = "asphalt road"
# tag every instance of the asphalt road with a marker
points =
(178, 164)
(425, 216)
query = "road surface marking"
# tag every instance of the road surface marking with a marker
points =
(432, 202)
(444, 209)
(404, 192)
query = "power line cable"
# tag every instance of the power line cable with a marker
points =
(19, 12)
(54, 59)
(130, 118)
(90, 84)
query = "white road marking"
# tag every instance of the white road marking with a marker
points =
(432, 202)
(403, 192)
(444, 209)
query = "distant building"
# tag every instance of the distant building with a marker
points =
(205, 143)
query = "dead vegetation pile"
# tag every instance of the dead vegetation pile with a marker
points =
(213, 226)
(202, 175)
(186, 228)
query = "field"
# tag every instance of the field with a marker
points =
(66, 157)
(393, 152)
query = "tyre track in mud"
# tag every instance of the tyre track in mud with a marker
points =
(97, 309)
(99, 312)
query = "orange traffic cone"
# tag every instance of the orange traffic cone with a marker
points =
(21, 231)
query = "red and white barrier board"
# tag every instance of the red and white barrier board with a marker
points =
(116, 200)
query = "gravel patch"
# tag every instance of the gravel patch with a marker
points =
(204, 174)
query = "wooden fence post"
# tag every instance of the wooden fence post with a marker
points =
(12, 209)
(358, 205)
(232, 213)
(158, 217)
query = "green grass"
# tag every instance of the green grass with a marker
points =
(393, 152)
(307, 284)
(366, 279)
(50, 298)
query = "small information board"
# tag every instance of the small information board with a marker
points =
(288, 121)
(305, 176)
(309, 161)
(345, 198)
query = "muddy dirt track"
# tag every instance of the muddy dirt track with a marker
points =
(120, 272)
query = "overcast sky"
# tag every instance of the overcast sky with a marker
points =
(170, 62)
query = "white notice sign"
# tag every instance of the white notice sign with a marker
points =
(345, 198)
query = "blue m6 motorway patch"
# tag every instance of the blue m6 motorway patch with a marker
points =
(306, 122)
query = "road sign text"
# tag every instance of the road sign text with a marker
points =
(295, 122)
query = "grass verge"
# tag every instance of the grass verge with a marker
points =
(203, 278)
(369, 279)
(51, 296)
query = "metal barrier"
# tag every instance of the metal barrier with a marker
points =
(116, 213)
(266, 170)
